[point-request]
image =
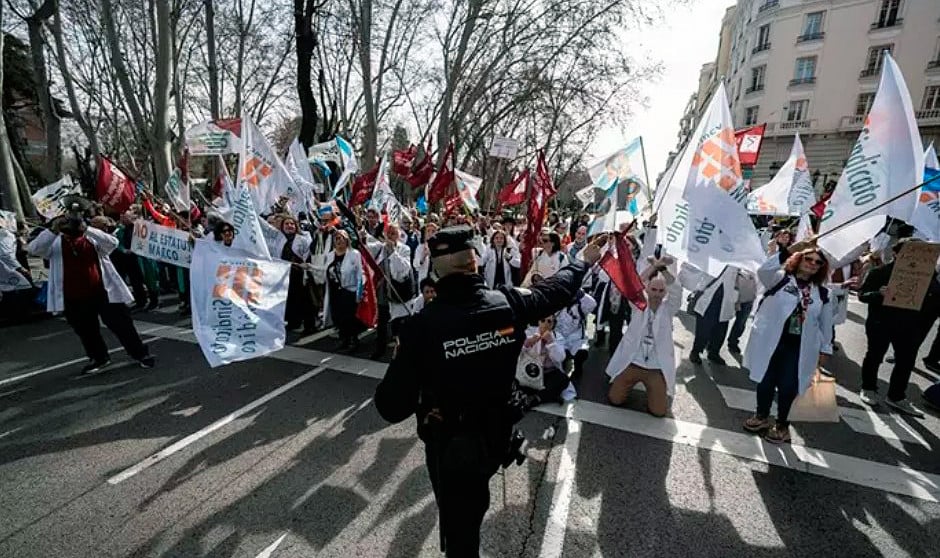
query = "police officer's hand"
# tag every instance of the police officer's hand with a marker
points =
(592, 252)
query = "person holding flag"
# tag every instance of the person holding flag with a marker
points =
(344, 280)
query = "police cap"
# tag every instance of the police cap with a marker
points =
(451, 240)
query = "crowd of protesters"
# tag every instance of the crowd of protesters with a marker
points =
(790, 310)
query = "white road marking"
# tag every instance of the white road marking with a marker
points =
(863, 421)
(61, 365)
(553, 540)
(227, 419)
(269, 551)
(315, 336)
(880, 476)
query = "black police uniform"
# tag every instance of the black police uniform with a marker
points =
(454, 369)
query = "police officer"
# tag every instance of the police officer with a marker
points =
(454, 369)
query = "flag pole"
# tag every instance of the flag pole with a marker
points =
(880, 205)
(646, 172)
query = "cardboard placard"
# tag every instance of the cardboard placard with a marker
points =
(911, 276)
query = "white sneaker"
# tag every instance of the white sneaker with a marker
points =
(869, 397)
(906, 407)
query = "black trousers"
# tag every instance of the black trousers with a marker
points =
(126, 264)
(906, 340)
(83, 316)
(462, 490)
(709, 331)
(381, 328)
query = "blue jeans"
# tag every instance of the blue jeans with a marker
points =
(783, 377)
(740, 320)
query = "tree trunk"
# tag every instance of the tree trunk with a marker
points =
(120, 67)
(453, 77)
(90, 134)
(11, 196)
(363, 22)
(159, 133)
(47, 111)
(306, 45)
(213, 64)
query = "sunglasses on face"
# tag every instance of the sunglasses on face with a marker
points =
(814, 261)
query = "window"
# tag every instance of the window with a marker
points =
(737, 90)
(888, 14)
(798, 110)
(813, 25)
(750, 115)
(931, 98)
(875, 59)
(763, 37)
(863, 104)
(805, 70)
(757, 78)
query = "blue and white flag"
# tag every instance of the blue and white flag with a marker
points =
(926, 217)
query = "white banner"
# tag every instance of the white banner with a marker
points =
(350, 163)
(47, 198)
(249, 235)
(624, 169)
(702, 220)
(238, 303)
(299, 168)
(209, 138)
(10, 279)
(926, 217)
(791, 190)
(177, 191)
(382, 196)
(887, 159)
(261, 171)
(162, 244)
(468, 186)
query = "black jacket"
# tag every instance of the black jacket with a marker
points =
(870, 293)
(459, 353)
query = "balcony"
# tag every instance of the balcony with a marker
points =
(803, 81)
(807, 37)
(760, 48)
(768, 5)
(933, 66)
(789, 126)
(887, 24)
(754, 89)
(930, 116)
(869, 72)
(852, 122)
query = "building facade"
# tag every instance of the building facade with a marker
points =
(812, 67)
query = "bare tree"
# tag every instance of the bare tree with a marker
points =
(11, 198)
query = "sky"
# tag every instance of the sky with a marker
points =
(683, 40)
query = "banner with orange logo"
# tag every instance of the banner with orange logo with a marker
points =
(238, 303)
(790, 192)
(263, 173)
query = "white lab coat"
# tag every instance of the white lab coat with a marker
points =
(48, 245)
(300, 247)
(695, 279)
(399, 266)
(351, 278)
(553, 355)
(771, 318)
(569, 329)
(422, 261)
(545, 266)
(489, 263)
(628, 349)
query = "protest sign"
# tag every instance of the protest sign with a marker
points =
(913, 271)
(47, 199)
(238, 303)
(162, 244)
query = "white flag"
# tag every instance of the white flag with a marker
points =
(177, 190)
(467, 187)
(349, 163)
(791, 190)
(382, 196)
(262, 173)
(218, 137)
(887, 159)
(702, 218)
(7, 220)
(10, 278)
(238, 303)
(249, 235)
(47, 199)
(585, 195)
(804, 229)
(926, 217)
(625, 170)
(299, 168)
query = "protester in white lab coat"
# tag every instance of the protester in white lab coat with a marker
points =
(293, 245)
(395, 290)
(792, 333)
(746, 287)
(85, 286)
(646, 354)
(422, 259)
(428, 293)
(499, 259)
(344, 285)
(713, 304)
(570, 326)
(548, 259)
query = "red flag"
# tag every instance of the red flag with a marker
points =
(514, 192)
(402, 159)
(367, 311)
(622, 271)
(541, 191)
(114, 188)
(543, 178)
(748, 141)
(233, 125)
(452, 203)
(423, 171)
(819, 208)
(445, 177)
(362, 186)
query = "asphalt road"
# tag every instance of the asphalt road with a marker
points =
(285, 456)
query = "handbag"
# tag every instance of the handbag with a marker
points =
(529, 370)
(818, 403)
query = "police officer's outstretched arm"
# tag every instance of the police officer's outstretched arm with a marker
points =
(556, 292)
(396, 397)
